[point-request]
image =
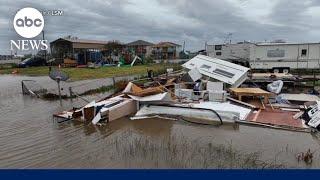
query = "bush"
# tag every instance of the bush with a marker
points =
(148, 60)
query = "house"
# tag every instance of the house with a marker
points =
(166, 50)
(82, 50)
(6, 57)
(140, 48)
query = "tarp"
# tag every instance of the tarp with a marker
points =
(218, 69)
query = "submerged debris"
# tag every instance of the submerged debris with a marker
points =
(307, 156)
(31, 87)
(209, 84)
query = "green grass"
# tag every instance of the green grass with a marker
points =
(178, 151)
(87, 73)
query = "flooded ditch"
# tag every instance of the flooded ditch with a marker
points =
(30, 138)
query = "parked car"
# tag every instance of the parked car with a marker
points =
(33, 61)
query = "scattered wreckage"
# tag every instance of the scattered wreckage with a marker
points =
(207, 91)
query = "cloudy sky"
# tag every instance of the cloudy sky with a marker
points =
(192, 21)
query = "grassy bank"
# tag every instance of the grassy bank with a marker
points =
(179, 151)
(87, 73)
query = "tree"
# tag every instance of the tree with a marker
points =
(113, 48)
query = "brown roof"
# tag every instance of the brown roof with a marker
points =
(86, 41)
(166, 44)
(76, 40)
(140, 43)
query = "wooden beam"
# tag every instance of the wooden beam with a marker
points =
(241, 102)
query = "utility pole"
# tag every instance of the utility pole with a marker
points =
(45, 53)
(184, 45)
(205, 46)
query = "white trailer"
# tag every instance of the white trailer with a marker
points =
(238, 53)
(281, 57)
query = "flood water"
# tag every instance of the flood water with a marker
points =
(31, 138)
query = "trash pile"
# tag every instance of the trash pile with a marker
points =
(208, 91)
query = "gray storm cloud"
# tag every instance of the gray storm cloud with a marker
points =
(165, 20)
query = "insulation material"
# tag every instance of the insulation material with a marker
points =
(275, 86)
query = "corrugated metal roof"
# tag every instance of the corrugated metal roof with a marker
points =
(139, 43)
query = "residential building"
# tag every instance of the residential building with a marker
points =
(166, 50)
(140, 48)
(81, 50)
(6, 57)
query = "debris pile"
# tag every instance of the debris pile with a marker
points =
(209, 91)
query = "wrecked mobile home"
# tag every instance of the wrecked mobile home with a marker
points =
(209, 91)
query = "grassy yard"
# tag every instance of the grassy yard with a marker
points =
(87, 73)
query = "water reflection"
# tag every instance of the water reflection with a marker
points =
(31, 139)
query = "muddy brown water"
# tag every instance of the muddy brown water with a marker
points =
(31, 138)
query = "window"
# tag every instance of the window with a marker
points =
(218, 53)
(204, 66)
(276, 53)
(218, 47)
(303, 52)
(223, 73)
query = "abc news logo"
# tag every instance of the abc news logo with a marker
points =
(28, 23)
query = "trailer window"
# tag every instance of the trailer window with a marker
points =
(276, 53)
(204, 66)
(223, 73)
(218, 47)
(218, 53)
(303, 52)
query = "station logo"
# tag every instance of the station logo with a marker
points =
(28, 23)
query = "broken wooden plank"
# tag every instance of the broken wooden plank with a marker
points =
(241, 102)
